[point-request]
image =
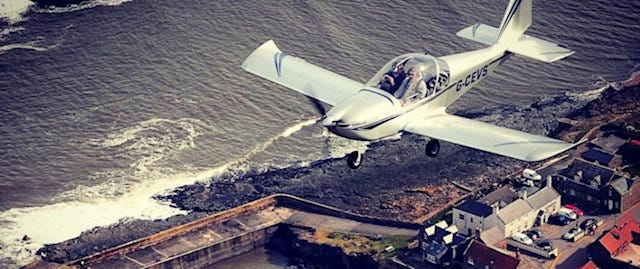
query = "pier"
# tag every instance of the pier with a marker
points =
(233, 232)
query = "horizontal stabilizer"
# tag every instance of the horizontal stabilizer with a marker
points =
(525, 45)
(539, 49)
(269, 62)
(487, 137)
(479, 32)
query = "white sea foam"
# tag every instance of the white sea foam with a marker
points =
(81, 6)
(114, 200)
(7, 31)
(588, 95)
(37, 45)
(12, 11)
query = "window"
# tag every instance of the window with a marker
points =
(461, 216)
(588, 197)
(471, 220)
(572, 192)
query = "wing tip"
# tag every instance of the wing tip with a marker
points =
(543, 154)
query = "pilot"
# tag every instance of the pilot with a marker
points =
(387, 83)
(412, 88)
(397, 74)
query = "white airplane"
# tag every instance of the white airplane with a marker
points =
(372, 111)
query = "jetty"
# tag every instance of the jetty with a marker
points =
(229, 233)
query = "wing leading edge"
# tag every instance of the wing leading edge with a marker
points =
(268, 62)
(491, 138)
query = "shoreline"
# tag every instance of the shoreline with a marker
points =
(404, 188)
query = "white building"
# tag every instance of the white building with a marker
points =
(504, 212)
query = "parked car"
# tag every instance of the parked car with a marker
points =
(588, 224)
(558, 219)
(571, 233)
(522, 238)
(568, 213)
(533, 234)
(575, 209)
(546, 245)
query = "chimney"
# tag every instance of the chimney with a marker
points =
(548, 182)
(524, 194)
(495, 208)
(578, 176)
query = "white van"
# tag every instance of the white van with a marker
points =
(531, 174)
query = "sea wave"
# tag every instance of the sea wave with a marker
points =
(81, 6)
(115, 200)
(39, 44)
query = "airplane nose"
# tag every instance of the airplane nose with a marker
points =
(329, 121)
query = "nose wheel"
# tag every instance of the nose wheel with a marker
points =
(432, 148)
(354, 159)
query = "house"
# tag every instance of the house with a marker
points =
(441, 244)
(597, 186)
(480, 256)
(505, 211)
(620, 246)
(598, 156)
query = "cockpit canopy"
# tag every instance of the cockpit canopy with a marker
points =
(433, 71)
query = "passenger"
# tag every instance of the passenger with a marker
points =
(413, 87)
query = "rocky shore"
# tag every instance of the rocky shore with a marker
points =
(396, 181)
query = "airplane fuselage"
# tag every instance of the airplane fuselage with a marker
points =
(373, 114)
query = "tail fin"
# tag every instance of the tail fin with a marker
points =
(516, 20)
(510, 36)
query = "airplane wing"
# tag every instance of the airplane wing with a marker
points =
(491, 138)
(269, 62)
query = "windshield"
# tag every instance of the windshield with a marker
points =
(411, 77)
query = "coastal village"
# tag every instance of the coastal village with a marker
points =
(579, 210)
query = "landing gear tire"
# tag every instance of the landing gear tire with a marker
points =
(354, 159)
(432, 148)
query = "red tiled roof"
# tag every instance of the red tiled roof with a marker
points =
(617, 240)
(482, 254)
(589, 265)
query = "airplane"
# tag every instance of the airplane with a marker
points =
(372, 112)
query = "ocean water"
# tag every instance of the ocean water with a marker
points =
(105, 104)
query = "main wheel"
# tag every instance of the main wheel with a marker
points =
(432, 148)
(354, 159)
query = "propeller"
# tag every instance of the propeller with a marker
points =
(318, 106)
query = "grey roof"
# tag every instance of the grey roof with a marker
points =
(513, 211)
(437, 249)
(542, 197)
(492, 236)
(622, 185)
(475, 208)
(502, 196)
(589, 171)
(598, 155)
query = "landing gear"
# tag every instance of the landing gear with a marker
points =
(432, 148)
(354, 159)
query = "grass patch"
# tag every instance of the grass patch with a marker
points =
(354, 243)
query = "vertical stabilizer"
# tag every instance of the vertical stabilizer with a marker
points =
(516, 20)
